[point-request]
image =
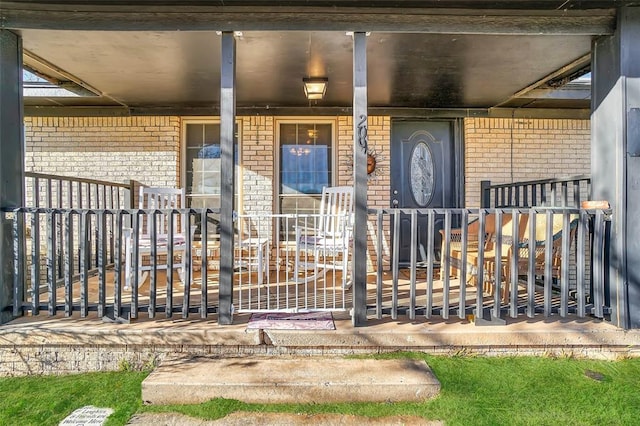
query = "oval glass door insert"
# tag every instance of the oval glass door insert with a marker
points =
(421, 174)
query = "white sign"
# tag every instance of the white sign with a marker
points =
(88, 415)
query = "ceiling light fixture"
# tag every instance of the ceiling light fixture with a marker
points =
(315, 87)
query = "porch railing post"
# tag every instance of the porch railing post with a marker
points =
(132, 195)
(227, 127)
(12, 185)
(360, 150)
(485, 194)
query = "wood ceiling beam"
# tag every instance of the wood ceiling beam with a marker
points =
(17, 15)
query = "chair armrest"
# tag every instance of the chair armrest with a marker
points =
(305, 229)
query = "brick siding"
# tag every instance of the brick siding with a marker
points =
(146, 149)
(258, 161)
(505, 150)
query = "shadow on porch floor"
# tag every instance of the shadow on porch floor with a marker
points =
(280, 292)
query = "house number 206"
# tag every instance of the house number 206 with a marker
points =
(362, 133)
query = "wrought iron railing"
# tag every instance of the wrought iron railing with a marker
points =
(269, 275)
(47, 191)
(557, 192)
(103, 292)
(477, 271)
(65, 192)
(480, 270)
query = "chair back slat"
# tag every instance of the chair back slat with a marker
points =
(162, 199)
(336, 208)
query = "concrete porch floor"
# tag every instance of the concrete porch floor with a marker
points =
(61, 344)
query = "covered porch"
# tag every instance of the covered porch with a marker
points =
(424, 64)
(71, 260)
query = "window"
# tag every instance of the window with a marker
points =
(202, 166)
(203, 162)
(305, 165)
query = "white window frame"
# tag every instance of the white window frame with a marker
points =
(183, 154)
(277, 148)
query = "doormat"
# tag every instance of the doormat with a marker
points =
(292, 321)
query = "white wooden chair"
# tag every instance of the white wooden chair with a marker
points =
(327, 244)
(251, 253)
(252, 248)
(158, 199)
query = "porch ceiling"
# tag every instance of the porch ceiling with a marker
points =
(167, 70)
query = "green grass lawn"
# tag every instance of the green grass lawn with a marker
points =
(475, 390)
(47, 400)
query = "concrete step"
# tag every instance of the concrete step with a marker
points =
(290, 380)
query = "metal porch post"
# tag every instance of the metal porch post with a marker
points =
(227, 192)
(360, 147)
(11, 158)
(615, 157)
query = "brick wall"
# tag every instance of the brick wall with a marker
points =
(379, 133)
(504, 150)
(379, 136)
(258, 163)
(146, 149)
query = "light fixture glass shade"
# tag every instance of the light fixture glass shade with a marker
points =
(315, 87)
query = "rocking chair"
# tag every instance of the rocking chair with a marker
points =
(326, 245)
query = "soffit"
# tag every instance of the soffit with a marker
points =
(411, 70)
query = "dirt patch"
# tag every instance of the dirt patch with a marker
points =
(252, 418)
